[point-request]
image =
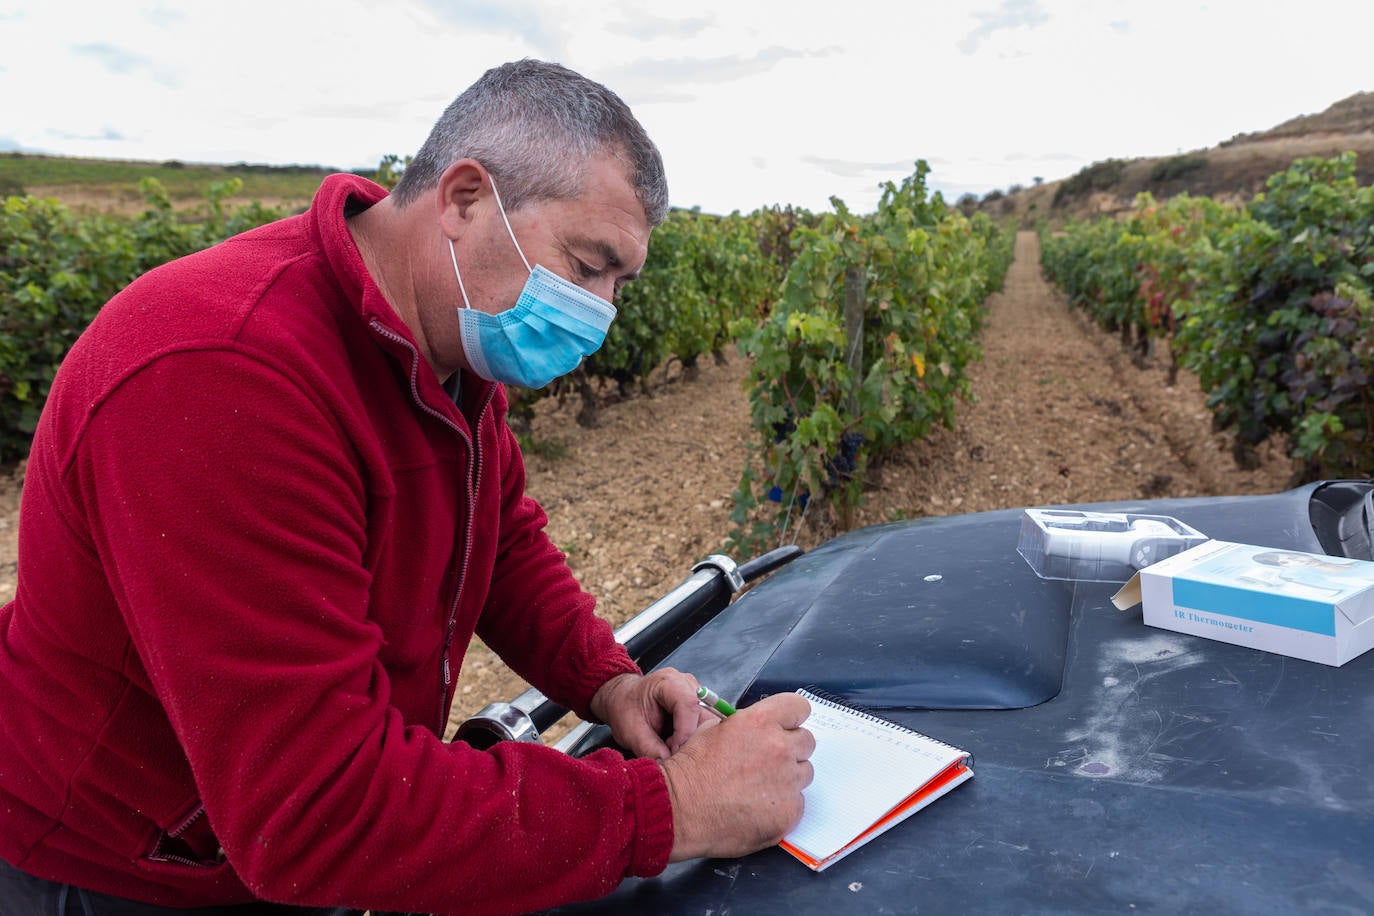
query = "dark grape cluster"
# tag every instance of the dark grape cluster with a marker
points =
(842, 465)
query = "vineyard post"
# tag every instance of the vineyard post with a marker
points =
(855, 287)
(855, 290)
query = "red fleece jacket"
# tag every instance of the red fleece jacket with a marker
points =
(255, 536)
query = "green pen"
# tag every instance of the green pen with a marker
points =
(711, 700)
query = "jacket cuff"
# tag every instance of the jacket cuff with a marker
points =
(652, 816)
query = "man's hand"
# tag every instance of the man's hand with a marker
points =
(737, 788)
(639, 709)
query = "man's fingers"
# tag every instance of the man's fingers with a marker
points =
(687, 722)
(639, 735)
(651, 746)
(789, 710)
(806, 742)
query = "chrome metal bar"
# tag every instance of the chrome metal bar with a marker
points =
(648, 637)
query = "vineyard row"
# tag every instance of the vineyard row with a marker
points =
(1269, 303)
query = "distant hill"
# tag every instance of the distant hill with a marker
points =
(1353, 115)
(1235, 169)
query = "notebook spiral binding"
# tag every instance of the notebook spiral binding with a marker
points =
(868, 714)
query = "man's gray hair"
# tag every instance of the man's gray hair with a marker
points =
(534, 126)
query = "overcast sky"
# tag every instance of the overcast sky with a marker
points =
(752, 102)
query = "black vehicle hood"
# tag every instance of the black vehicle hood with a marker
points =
(1120, 768)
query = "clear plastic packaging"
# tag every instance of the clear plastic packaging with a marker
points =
(1099, 546)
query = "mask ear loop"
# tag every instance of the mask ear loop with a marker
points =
(497, 195)
(452, 255)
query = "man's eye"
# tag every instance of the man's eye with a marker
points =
(587, 271)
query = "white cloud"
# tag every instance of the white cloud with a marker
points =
(1012, 14)
(546, 34)
(645, 26)
(123, 62)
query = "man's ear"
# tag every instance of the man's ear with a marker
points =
(462, 184)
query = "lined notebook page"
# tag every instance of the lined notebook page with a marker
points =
(864, 768)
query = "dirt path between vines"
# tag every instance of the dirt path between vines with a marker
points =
(1060, 416)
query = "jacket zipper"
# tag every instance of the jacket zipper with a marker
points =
(474, 474)
(160, 855)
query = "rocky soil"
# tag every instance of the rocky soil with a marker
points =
(1060, 415)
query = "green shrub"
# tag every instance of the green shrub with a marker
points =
(1100, 176)
(1177, 167)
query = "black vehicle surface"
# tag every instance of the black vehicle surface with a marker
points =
(1120, 768)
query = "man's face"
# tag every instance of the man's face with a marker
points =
(598, 240)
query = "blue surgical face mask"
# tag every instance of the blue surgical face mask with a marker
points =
(552, 326)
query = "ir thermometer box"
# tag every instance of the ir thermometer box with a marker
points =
(1303, 605)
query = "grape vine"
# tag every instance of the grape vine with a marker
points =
(823, 417)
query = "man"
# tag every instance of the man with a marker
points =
(272, 498)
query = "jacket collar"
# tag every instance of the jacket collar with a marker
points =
(338, 196)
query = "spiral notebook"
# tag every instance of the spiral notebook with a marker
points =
(871, 774)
